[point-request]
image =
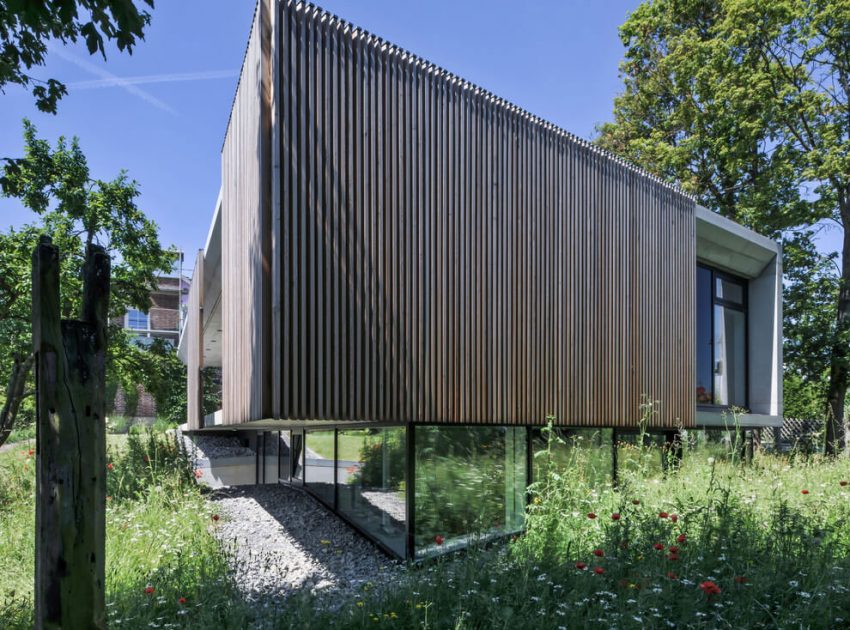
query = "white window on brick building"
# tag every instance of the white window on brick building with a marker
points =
(137, 320)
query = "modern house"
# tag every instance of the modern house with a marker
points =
(406, 275)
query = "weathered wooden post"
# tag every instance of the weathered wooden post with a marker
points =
(71, 444)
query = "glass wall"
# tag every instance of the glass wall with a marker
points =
(319, 464)
(730, 329)
(470, 482)
(296, 457)
(270, 451)
(704, 337)
(285, 460)
(370, 482)
(581, 454)
(721, 342)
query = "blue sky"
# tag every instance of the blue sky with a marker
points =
(557, 59)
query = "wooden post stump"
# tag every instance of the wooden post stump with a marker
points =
(70, 357)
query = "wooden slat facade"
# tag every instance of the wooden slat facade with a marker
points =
(440, 255)
(193, 334)
(246, 221)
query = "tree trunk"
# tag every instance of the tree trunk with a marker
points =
(14, 395)
(838, 370)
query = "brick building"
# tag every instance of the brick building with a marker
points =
(162, 321)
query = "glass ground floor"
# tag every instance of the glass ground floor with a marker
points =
(421, 490)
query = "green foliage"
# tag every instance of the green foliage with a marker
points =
(151, 458)
(377, 445)
(158, 534)
(26, 27)
(745, 104)
(76, 210)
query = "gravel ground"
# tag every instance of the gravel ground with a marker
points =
(214, 446)
(282, 541)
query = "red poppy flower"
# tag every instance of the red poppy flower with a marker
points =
(581, 566)
(110, 466)
(591, 515)
(663, 515)
(672, 557)
(674, 549)
(804, 492)
(709, 588)
(674, 517)
(843, 483)
(182, 600)
(149, 590)
(658, 546)
(439, 539)
(215, 517)
(598, 570)
(672, 575)
(681, 538)
(740, 579)
(30, 453)
(598, 553)
(615, 516)
(635, 502)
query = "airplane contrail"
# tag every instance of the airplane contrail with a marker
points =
(154, 78)
(105, 75)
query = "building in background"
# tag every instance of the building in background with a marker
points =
(163, 320)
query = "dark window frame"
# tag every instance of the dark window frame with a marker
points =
(742, 307)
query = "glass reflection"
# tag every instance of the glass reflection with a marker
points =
(470, 482)
(370, 482)
(319, 464)
(729, 356)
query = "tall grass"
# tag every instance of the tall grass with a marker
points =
(159, 542)
(718, 544)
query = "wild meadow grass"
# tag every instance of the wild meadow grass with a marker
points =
(163, 566)
(719, 543)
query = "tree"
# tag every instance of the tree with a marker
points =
(26, 27)
(745, 103)
(76, 210)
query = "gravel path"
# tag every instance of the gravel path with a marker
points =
(282, 541)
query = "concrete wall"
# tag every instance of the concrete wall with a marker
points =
(730, 247)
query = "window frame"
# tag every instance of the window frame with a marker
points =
(742, 307)
(135, 312)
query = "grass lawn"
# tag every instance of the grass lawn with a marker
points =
(323, 444)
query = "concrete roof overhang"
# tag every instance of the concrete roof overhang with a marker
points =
(731, 247)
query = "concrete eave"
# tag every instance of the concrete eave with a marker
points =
(725, 420)
(726, 245)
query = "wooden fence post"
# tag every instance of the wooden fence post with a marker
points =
(70, 444)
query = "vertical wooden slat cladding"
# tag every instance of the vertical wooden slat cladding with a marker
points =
(401, 245)
(447, 257)
(246, 236)
(193, 333)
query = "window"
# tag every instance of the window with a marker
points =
(470, 482)
(137, 320)
(370, 482)
(721, 342)
(319, 464)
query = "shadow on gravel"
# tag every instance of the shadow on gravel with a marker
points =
(282, 542)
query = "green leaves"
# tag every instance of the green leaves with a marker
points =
(76, 210)
(745, 104)
(27, 25)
